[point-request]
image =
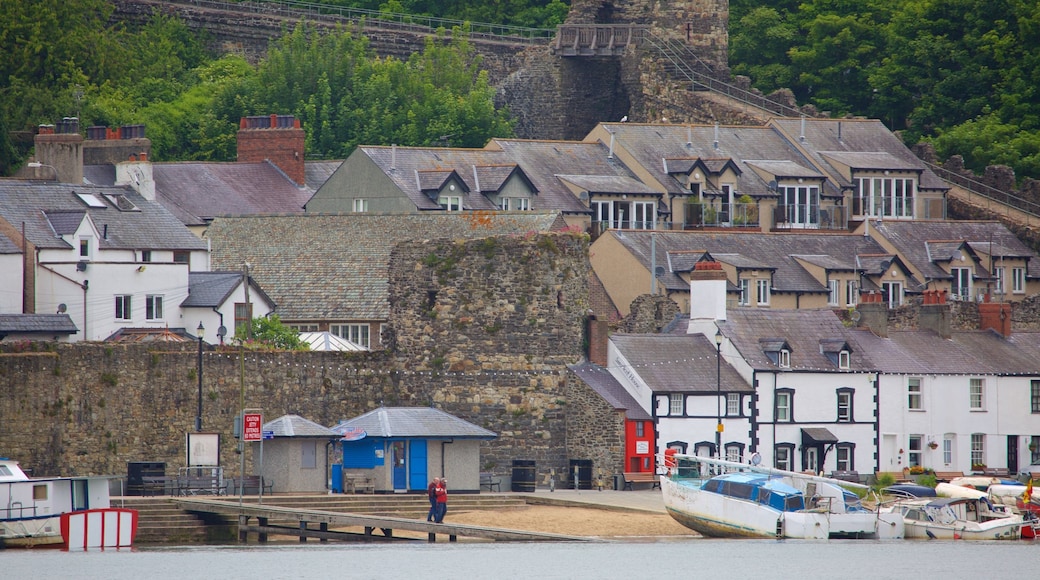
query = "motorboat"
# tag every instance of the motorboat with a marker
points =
(739, 500)
(1022, 500)
(68, 512)
(957, 518)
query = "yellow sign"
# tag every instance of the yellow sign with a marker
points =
(720, 428)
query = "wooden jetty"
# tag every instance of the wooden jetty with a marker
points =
(329, 524)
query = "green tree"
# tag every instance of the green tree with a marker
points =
(268, 333)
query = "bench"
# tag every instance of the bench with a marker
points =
(846, 475)
(358, 484)
(195, 485)
(947, 476)
(251, 485)
(490, 482)
(156, 485)
(641, 477)
(1001, 472)
(897, 476)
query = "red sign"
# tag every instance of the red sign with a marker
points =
(252, 427)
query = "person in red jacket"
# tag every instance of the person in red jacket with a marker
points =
(441, 492)
(431, 493)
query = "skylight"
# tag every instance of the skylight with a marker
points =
(90, 199)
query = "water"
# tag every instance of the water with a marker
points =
(686, 558)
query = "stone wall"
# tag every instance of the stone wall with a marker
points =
(482, 329)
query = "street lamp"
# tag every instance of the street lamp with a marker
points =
(200, 331)
(37, 165)
(718, 392)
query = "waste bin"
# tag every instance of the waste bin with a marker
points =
(523, 475)
(581, 474)
(136, 471)
(337, 478)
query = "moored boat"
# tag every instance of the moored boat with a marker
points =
(759, 502)
(957, 518)
(32, 512)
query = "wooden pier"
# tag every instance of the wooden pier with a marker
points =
(328, 525)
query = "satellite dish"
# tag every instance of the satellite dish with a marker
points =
(222, 331)
(855, 315)
(756, 459)
(62, 308)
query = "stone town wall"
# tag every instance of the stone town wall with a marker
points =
(482, 329)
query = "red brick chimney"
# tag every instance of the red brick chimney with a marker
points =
(996, 316)
(275, 138)
(599, 334)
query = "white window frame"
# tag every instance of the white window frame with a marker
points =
(644, 215)
(845, 406)
(732, 404)
(801, 204)
(998, 274)
(947, 445)
(360, 205)
(450, 202)
(894, 291)
(915, 450)
(960, 284)
(977, 394)
(914, 394)
(844, 360)
(783, 456)
(675, 405)
(304, 327)
(745, 292)
(1018, 280)
(515, 204)
(783, 358)
(762, 292)
(978, 449)
(153, 307)
(358, 333)
(886, 197)
(851, 293)
(833, 296)
(783, 406)
(843, 457)
(124, 307)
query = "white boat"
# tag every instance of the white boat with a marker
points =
(759, 502)
(68, 512)
(958, 518)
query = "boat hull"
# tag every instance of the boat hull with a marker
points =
(985, 531)
(719, 516)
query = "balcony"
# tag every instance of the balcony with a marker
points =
(702, 215)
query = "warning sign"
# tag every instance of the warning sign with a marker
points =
(252, 427)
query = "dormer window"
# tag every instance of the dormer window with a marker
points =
(843, 360)
(450, 202)
(778, 351)
(84, 247)
(784, 359)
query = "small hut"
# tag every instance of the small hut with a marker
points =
(399, 449)
(296, 459)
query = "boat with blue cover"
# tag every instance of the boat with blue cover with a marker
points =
(751, 501)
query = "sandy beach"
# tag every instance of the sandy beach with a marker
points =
(575, 521)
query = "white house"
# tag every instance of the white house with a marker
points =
(105, 256)
(221, 303)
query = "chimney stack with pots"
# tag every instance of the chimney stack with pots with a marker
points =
(277, 139)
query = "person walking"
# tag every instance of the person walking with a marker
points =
(441, 492)
(431, 493)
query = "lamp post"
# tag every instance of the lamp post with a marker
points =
(37, 165)
(200, 331)
(718, 393)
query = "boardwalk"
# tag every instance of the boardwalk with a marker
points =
(331, 525)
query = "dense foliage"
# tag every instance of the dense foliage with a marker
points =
(959, 73)
(269, 334)
(526, 13)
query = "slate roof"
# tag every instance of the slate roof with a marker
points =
(317, 266)
(670, 363)
(150, 228)
(914, 239)
(866, 138)
(605, 385)
(414, 422)
(977, 352)
(544, 161)
(196, 192)
(212, 289)
(36, 324)
(753, 331)
(650, 145)
(297, 427)
(757, 251)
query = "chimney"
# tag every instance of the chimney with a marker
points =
(137, 173)
(598, 337)
(61, 149)
(873, 313)
(111, 146)
(707, 292)
(935, 313)
(277, 139)
(995, 316)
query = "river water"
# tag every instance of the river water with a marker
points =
(678, 558)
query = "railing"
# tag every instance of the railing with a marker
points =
(978, 189)
(376, 18)
(800, 216)
(680, 56)
(699, 215)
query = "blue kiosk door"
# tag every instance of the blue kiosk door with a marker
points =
(397, 451)
(417, 464)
